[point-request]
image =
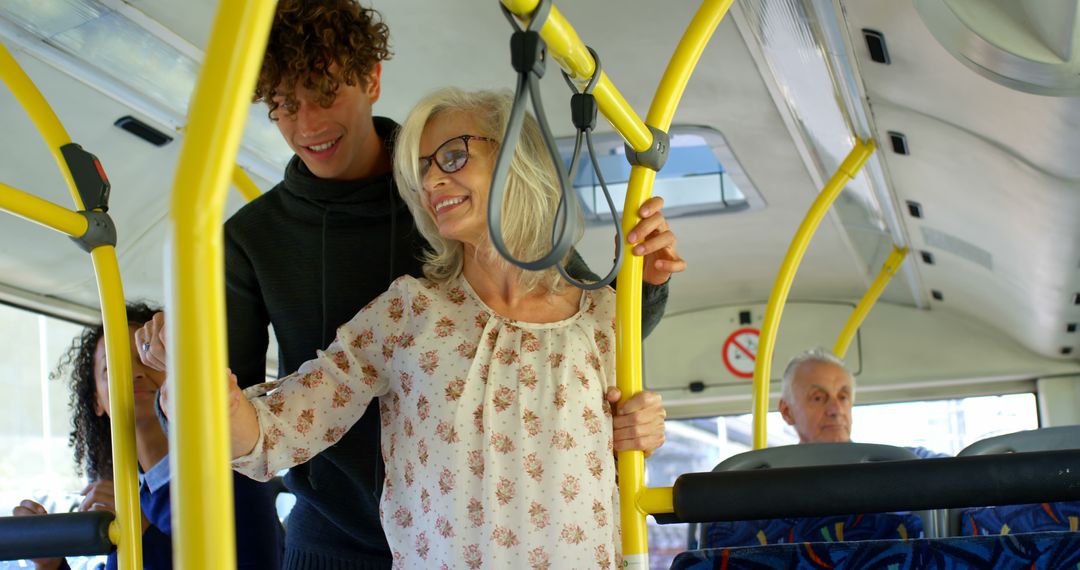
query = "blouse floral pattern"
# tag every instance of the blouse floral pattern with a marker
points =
(495, 433)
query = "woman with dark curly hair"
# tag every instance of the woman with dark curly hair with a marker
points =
(259, 541)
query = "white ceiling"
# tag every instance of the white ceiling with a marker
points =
(991, 166)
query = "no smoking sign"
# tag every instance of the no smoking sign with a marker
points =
(740, 352)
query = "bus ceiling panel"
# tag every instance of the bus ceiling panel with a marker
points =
(898, 349)
(718, 346)
(726, 92)
(189, 20)
(1029, 46)
(927, 79)
(38, 259)
(138, 172)
(735, 257)
(634, 60)
(802, 55)
(1003, 231)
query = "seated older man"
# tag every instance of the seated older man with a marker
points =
(816, 399)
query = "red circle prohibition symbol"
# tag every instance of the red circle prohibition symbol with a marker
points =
(740, 352)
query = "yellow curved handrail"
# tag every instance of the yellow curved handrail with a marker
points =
(126, 530)
(628, 299)
(41, 114)
(778, 297)
(888, 269)
(244, 184)
(203, 526)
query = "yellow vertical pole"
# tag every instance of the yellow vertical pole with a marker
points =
(122, 406)
(631, 464)
(127, 528)
(633, 496)
(888, 269)
(778, 297)
(203, 523)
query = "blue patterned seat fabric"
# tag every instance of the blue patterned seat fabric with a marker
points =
(1013, 519)
(884, 526)
(1043, 550)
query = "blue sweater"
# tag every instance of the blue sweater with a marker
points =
(258, 532)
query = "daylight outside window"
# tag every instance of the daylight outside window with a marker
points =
(701, 176)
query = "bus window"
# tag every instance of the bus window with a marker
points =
(34, 418)
(945, 426)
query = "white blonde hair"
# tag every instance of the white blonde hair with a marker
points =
(816, 354)
(532, 186)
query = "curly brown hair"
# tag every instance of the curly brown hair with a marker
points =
(309, 37)
(91, 436)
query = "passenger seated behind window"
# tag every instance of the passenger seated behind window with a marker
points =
(816, 399)
(259, 533)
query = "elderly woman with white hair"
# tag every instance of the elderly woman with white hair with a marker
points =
(492, 381)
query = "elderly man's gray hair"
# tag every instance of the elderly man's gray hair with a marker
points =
(816, 354)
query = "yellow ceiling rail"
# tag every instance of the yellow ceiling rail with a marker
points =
(244, 184)
(687, 53)
(41, 114)
(888, 269)
(778, 297)
(42, 211)
(203, 522)
(126, 529)
(569, 51)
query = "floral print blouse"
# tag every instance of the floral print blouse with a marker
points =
(495, 433)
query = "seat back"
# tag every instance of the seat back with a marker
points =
(834, 528)
(807, 454)
(1010, 519)
(1043, 439)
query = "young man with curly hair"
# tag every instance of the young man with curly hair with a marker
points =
(333, 235)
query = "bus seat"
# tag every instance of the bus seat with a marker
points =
(1042, 550)
(816, 529)
(1011, 519)
(841, 528)
(1042, 439)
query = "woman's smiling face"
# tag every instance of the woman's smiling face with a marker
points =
(458, 201)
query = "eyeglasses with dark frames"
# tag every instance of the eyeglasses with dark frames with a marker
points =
(451, 156)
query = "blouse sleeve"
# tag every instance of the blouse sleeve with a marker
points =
(304, 413)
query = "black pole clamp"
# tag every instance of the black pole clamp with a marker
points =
(528, 51)
(90, 180)
(100, 230)
(583, 107)
(655, 156)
